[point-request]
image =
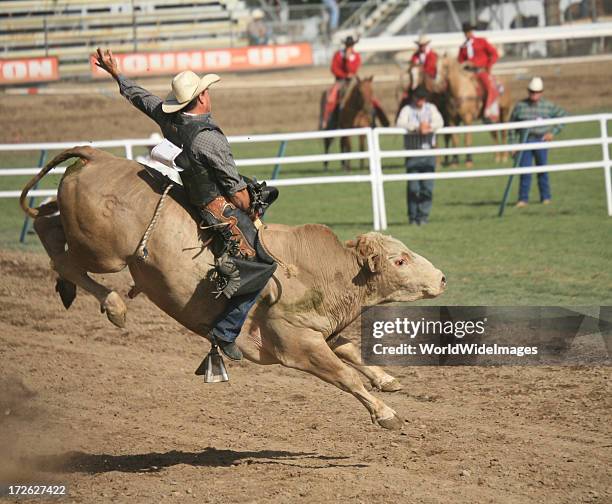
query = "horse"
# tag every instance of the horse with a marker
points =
(464, 103)
(355, 110)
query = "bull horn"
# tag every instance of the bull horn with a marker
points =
(67, 154)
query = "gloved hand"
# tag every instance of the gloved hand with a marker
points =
(228, 276)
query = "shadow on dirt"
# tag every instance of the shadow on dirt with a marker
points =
(79, 462)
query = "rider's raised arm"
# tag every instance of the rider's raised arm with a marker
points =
(142, 99)
(137, 96)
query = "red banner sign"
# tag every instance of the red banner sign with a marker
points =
(15, 71)
(213, 60)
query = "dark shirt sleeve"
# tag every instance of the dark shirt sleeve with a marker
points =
(212, 149)
(142, 99)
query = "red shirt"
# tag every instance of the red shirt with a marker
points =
(428, 59)
(344, 67)
(479, 52)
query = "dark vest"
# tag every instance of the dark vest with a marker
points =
(198, 179)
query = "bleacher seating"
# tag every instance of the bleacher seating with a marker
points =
(72, 29)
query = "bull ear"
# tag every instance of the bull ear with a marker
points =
(374, 263)
(367, 252)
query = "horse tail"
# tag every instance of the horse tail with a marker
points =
(83, 153)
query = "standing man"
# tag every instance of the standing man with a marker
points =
(345, 65)
(531, 108)
(481, 55)
(213, 186)
(425, 56)
(421, 119)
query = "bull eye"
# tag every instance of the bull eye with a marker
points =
(400, 262)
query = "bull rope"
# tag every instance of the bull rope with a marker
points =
(142, 253)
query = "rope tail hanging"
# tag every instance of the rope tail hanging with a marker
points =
(142, 252)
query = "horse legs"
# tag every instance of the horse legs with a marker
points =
(495, 136)
(51, 234)
(345, 143)
(349, 353)
(469, 163)
(362, 148)
(306, 350)
(455, 143)
(327, 143)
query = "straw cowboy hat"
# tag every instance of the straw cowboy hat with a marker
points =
(258, 14)
(422, 40)
(185, 87)
(536, 85)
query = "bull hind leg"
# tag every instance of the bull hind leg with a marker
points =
(377, 377)
(306, 350)
(51, 233)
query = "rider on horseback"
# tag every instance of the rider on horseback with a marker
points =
(481, 56)
(345, 65)
(425, 56)
(228, 204)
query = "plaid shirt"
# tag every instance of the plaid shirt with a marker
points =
(210, 147)
(526, 110)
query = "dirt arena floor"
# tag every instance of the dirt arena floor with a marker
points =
(119, 416)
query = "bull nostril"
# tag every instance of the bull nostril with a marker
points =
(443, 280)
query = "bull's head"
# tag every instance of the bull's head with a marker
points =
(398, 274)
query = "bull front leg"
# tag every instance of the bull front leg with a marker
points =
(378, 378)
(307, 350)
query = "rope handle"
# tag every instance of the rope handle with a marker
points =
(142, 252)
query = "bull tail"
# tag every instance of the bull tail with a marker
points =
(83, 153)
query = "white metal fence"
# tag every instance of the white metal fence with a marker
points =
(375, 155)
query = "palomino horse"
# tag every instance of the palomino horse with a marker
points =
(465, 104)
(356, 110)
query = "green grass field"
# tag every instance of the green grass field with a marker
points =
(558, 255)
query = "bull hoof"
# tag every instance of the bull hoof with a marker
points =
(391, 386)
(66, 290)
(115, 309)
(392, 423)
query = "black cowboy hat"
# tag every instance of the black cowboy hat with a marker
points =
(350, 41)
(467, 26)
(420, 93)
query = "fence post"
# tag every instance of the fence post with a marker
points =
(373, 180)
(606, 159)
(129, 152)
(379, 179)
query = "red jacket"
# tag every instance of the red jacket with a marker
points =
(479, 52)
(342, 67)
(428, 59)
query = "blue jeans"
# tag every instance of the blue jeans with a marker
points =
(334, 13)
(419, 193)
(526, 159)
(228, 326)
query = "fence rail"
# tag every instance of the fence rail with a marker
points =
(375, 155)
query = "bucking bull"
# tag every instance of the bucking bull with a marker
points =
(106, 203)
